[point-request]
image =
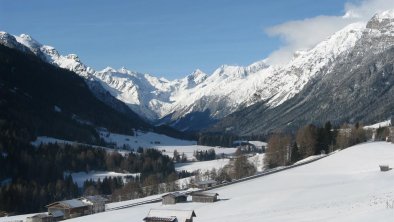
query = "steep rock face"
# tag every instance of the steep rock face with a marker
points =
(358, 86)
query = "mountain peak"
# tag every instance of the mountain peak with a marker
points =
(198, 75)
(123, 70)
(382, 20)
(73, 57)
(108, 69)
(28, 41)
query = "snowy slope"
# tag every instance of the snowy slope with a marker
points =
(144, 140)
(346, 186)
(204, 166)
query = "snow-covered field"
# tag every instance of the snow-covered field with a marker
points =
(378, 125)
(346, 186)
(188, 150)
(144, 140)
(204, 166)
(81, 177)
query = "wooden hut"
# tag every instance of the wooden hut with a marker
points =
(68, 209)
(205, 184)
(160, 215)
(40, 218)
(384, 168)
(173, 198)
(204, 197)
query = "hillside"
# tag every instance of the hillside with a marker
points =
(50, 101)
(346, 186)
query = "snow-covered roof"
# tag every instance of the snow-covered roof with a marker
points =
(73, 203)
(169, 219)
(166, 214)
(258, 143)
(175, 194)
(40, 216)
(94, 199)
(206, 182)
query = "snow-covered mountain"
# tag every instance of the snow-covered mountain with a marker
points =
(227, 89)
(354, 84)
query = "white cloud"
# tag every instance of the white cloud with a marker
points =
(304, 34)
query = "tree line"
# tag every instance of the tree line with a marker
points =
(284, 149)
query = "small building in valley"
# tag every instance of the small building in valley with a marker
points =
(68, 209)
(95, 203)
(205, 184)
(160, 215)
(173, 198)
(204, 197)
(40, 218)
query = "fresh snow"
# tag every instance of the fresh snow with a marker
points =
(189, 150)
(379, 125)
(205, 166)
(81, 177)
(144, 140)
(346, 186)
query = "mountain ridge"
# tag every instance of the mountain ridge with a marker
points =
(229, 88)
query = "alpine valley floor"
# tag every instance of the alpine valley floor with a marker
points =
(346, 186)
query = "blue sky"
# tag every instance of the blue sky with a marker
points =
(165, 38)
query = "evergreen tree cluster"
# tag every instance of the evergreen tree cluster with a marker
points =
(201, 155)
(31, 177)
(224, 140)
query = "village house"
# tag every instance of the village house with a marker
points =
(160, 215)
(204, 197)
(95, 204)
(173, 198)
(204, 184)
(40, 218)
(68, 209)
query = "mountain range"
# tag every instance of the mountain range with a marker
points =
(346, 78)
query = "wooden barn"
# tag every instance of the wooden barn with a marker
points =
(95, 204)
(205, 184)
(173, 198)
(160, 215)
(204, 197)
(68, 209)
(40, 218)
